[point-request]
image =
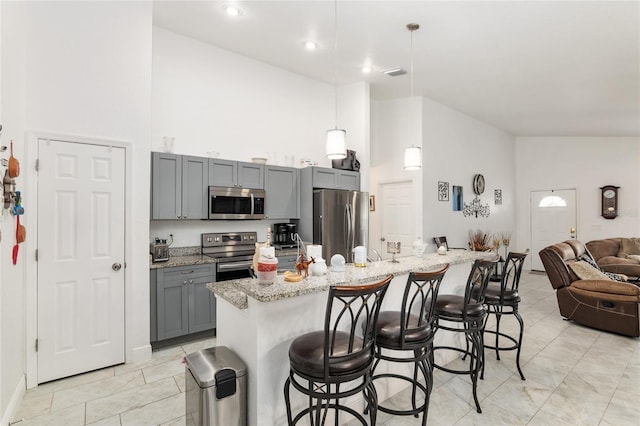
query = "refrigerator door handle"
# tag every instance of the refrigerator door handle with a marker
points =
(346, 227)
(350, 233)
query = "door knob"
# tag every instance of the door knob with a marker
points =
(383, 239)
(116, 266)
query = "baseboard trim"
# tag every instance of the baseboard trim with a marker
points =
(141, 353)
(14, 403)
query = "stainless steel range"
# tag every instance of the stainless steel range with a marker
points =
(234, 251)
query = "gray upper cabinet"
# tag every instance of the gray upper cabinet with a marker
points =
(326, 178)
(236, 174)
(349, 180)
(282, 192)
(178, 186)
(195, 177)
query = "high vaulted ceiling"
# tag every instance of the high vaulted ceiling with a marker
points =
(532, 68)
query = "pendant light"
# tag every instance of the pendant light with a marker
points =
(412, 154)
(336, 147)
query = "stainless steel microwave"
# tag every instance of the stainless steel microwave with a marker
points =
(235, 203)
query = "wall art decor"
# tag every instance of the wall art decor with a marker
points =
(458, 201)
(497, 197)
(443, 191)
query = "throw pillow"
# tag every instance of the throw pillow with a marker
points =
(584, 271)
(634, 257)
(629, 246)
(610, 275)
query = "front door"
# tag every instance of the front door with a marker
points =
(80, 257)
(553, 220)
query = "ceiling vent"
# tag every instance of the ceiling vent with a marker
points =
(394, 72)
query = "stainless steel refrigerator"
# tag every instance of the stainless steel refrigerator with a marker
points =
(340, 221)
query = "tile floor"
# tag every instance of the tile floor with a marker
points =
(575, 375)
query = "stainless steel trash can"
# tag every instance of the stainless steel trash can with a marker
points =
(216, 381)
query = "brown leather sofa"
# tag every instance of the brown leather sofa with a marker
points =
(605, 253)
(602, 304)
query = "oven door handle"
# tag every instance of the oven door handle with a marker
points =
(234, 266)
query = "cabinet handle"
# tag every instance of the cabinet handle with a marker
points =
(178, 217)
(184, 282)
(190, 281)
(184, 217)
(187, 272)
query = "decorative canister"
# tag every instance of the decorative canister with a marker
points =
(267, 265)
(318, 267)
(360, 256)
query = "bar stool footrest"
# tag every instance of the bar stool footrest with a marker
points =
(502, 348)
(413, 412)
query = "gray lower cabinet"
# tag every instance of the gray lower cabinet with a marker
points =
(178, 186)
(183, 304)
(282, 192)
(236, 174)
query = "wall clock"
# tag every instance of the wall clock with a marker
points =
(609, 201)
(478, 184)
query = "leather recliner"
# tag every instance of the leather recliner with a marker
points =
(602, 304)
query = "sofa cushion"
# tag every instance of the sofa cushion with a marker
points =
(585, 271)
(629, 246)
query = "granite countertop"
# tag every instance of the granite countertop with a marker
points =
(237, 291)
(182, 256)
(195, 259)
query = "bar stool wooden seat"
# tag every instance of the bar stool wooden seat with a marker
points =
(411, 329)
(467, 314)
(343, 353)
(503, 299)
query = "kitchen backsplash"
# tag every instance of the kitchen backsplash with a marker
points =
(184, 251)
(186, 233)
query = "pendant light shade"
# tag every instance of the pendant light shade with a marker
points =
(413, 158)
(413, 154)
(336, 144)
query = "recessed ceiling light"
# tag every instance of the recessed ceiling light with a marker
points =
(310, 45)
(231, 10)
(366, 69)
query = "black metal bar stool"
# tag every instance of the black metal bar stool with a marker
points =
(467, 310)
(342, 353)
(411, 329)
(505, 296)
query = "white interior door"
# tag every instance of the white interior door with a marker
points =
(553, 220)
(80, 258)
(397, 217)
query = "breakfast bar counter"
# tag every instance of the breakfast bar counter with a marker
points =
(259, 322)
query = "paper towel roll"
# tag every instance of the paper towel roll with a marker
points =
(268, 251)
(315, 251)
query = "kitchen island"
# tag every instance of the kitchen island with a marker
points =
(259, 322)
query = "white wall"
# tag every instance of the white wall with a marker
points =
(12, 313)
(584, 163)
(88, 69)
(211, 99)
(456, 147)
(396, 124)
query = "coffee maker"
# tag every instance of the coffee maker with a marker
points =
(284, 234)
